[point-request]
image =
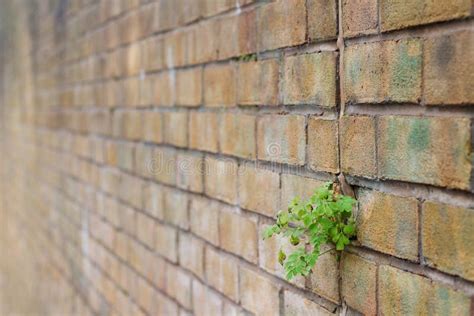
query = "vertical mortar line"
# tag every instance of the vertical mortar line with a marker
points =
(420, 232)
(376, 144)
(377, 290)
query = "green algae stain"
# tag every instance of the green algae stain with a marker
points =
(406, 72)
(419, 138)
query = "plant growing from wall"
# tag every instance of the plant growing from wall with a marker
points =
(325, 218)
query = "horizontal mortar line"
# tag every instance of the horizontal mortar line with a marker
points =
(453, 281)
(377, 109)
(422, 191)
(304, 170)
(372, 251)
(426, 30)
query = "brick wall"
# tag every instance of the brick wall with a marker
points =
(145, 145)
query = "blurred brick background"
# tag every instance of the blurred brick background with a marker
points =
(146, 144)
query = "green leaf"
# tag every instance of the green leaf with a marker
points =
(349, 229)
(281, 257)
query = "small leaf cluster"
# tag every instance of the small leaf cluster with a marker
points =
(247, 58)
(325, 218)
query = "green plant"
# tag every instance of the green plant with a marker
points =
(325, 218)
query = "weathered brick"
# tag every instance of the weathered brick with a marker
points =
(220, 85)
(175, 207)
(164, 86)
(447, 238)
(175, 128)
(388, 71)
(153, 200)
(388, 223)
(152, 126)
(358, 145)
(251, 181)
(191, 254)
(166, 242)
(240, 235)
(310, 79)
(428, 150)
(189, 87)
(142, 160)
(146, 230)
(261, 296)
(404, 293)
(175, 49)
(324, 279)
(401, 14)
(153, 56)
(448, 69)
(133, 59)
(205, 301)
(359, 283)
(359, 17)
(296, 186)
(237, 135)
(204, 216)
(281, 138)
(207, 41)
(190, 172)
(323, 151)
(322, 19)
(222, 273)
(163, 165)
(258, 82)
(295, 304)
(244, 39)
(221, 179)
(280, 24)
(203, 127)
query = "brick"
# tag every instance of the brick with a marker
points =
(310, 79)
(175, 207)
(239, 235)
(210, 7)
(281, 24)
(404, 293)
(323, 148)
(358, 145)
(244, 39)
(146, 230)
(133, 58)
(152, 126)
(189, 87)
(191, 254)
(359, 17)
(143, 160)
(131, 125)
(295, 304)
(207, 43)
(324, 277)
(428, 150)
(175, 128)
(322, 19)
(175, 49)
(204, 215)
(222, 273)
(296, 186)
(258, 82)
(166, 242)
(237, 135)
(178, 285)
(359, 283)
(281, 138)
(448, 69)
(221, 179)
(153, 55)
(163, 165)
(202, 131)
(251, 181)
(388, 223)
(447, 238)
(401, 14)
(153, 198)
(205, 301)
(261, 296)
(164, 87)
(219, 85)
(388, 71)
(131, 91)
(190, 172)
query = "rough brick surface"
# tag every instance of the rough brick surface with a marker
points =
(419, 294)
(261, 296)
(323, 151)
(322, 19)
(296, 304)
(388, 71)
(427, 150)
(258, 83)
(447, 238)
(359, 17)
(310, 79)
(389, 224)
(237, 135)
(241, 235)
